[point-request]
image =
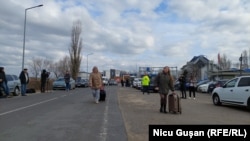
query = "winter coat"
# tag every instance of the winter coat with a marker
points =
(44, 76)
(24, 78)
(95, 80)
(164, 82)
(3, 76)
(145, 80)
(67, 78)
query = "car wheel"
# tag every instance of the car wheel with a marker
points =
(248, 103)
(16, 91)
(216, 100)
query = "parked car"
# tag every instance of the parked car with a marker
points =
(137, 83)
(177, 85)
(60, 84)
(152, 84)
(217, 83)
(82, 83)
(236, 91)
(200, 83)
(105, 81)
(204, 88)
(14, 84)
(113, 82)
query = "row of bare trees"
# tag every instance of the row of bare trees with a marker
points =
(69, 62)
(225, 64)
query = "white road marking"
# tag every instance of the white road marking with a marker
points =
(25, 107)
(104, 129)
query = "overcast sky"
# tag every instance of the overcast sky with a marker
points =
(124, 34)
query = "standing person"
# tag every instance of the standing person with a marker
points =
(43, 80)
(192, 86)
(24, 78)
(127, 82)
(164, 83)
(4, 82)
(182, 81)
(122, 82)
(67, 80)
(145, 83)
(95, 83)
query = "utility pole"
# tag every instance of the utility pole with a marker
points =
(240, 64)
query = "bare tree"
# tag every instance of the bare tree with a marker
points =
(224, 63)
(38, 64)
(59, 68)
(244, 60)
(34, 66)
(75, 49)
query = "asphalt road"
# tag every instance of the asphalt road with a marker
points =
(62, 116)
(124, 116)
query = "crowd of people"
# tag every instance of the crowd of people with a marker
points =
(24, 81)
(164, 83)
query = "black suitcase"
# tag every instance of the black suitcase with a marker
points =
(102, 95)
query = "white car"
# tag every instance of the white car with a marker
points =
(105, 81)
(204, 88)
(236, 91)
(137, 83)
(14, 84)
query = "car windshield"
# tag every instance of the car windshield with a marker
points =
(60, 79)
(203, 82)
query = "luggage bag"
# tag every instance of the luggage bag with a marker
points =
(174, 103)
(102, 95)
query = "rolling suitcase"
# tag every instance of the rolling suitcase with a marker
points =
(102, 95)
(174, 103)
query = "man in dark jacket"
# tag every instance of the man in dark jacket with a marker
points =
(24, 78)
(182, 80)
(4, 83)
(44, 76)
(67, 80)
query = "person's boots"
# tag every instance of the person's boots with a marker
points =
(164, 108)
(161, 109)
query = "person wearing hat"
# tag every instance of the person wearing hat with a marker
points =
(24, 78)
(4, 83)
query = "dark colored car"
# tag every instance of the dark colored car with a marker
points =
(82, 83)
(177, 85)
(217, 83)
(152, 84)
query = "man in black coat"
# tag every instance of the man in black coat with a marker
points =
(24, 78)
(44, 76)
(182, 80)
(4, 83)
